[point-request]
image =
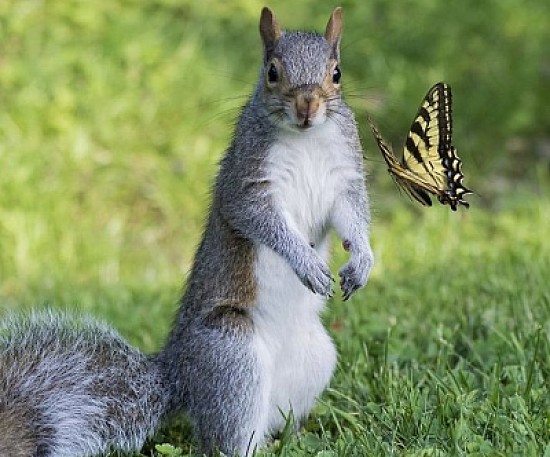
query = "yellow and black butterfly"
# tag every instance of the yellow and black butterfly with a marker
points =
(430, 164)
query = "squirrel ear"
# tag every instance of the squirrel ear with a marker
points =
(334, 30)
(270, 31)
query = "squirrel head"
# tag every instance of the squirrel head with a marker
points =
(300, 77)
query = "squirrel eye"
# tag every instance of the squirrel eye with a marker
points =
(336, 75)
(272, 75)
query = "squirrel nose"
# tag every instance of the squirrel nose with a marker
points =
(306, 108)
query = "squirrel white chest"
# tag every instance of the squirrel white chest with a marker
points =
(306, 171)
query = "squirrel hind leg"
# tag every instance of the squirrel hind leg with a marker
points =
(229, 393)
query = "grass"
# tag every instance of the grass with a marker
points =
(114, 116)
(445, 352)
(448, 352)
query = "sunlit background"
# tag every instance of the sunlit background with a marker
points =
(114, 115)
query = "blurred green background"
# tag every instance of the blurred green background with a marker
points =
(114, 114)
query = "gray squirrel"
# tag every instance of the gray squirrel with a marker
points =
(247, 346)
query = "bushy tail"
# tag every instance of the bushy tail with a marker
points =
(18, 435)
(73, 387)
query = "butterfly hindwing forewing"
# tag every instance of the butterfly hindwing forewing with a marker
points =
(429, 164)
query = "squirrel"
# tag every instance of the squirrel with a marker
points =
(247, 347)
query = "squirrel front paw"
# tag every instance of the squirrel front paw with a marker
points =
(315, 275)
(355, 273)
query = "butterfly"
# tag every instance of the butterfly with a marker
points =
(430, 164)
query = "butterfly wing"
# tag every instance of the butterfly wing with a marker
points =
(428, 150)
(410, 183)
(430, 164)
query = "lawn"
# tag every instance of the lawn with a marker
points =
(445, 352)
(447, 349)
(113, 117)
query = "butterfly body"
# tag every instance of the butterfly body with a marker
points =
(430, 164)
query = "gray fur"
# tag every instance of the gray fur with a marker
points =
(215, 378)
(245, 202)
(304, 56)
(79, 389)
(19, 436)
(212, 374)
(241, 193)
